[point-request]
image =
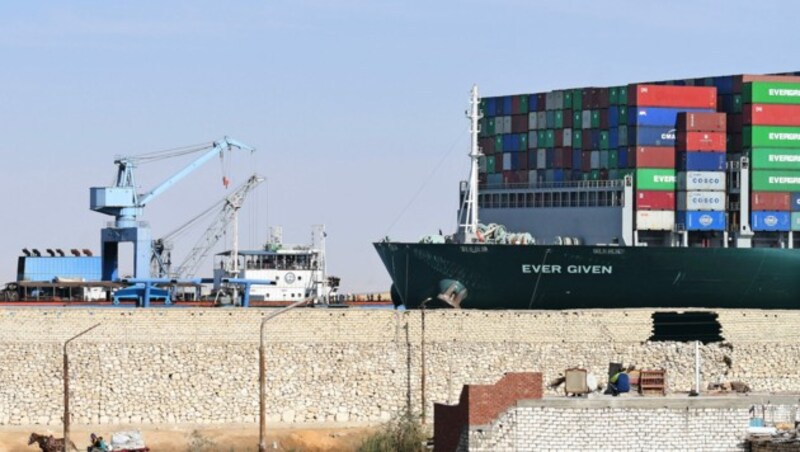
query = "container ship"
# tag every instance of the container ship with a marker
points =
(682, 193)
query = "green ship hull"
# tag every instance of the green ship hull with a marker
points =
(593, 277)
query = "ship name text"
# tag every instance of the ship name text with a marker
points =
(569, 269)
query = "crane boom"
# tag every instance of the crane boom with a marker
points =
(215, 231)
(123, 203)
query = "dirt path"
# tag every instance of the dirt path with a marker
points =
(233, 438)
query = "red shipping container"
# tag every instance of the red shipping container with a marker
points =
(673, 96)
(487, 145)
(540, 102)
(568, 119)
(498, 163)
(586, 139)
(522, 177)
(586, 161)
(604, 118)
(771, 115)
(559, 138)
(519, 123)
(655, 200)
(771, 201)
(602, 97)
(701, 141)
(514, 105)
(654, 157)
(523, 161)
(567, 156)
(735, 123)
(558, 158)
(603, 174)
(702, 122)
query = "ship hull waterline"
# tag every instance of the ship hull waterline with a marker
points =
(594, 277)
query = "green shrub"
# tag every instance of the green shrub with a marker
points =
(401, 434)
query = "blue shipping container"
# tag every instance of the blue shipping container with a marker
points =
(595, 139)
(491, 106)
(558, 175)
(515, 142)
(70, 267)
(701, 161)
(613, 116)
(532, 159)
(770, 221)
(507, 105)
(576, 159)
(795, 202)
(657, 116)
(506, 143)
(622, 158)
(532, 102)
(724, 84)
(701, 221)
(651, 136)
(613, 138)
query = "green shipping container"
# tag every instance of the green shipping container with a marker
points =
(623, 95)
(771, 93)
(622, 116)
(655, 179)
(771, 137)
(613, 160)
(737, 103)
(775, 180)
(613, 95)
(604, 139)
(577, 141)
(523, 142)
(498, 143)
(577, 100)
(549, 139)
(595, 175)
(622, 134)
(568, 99)
(489, 126)
(795, 221)
(559, 119)
(766, 158)
(577, 119)
(541, 139)
(550, 119)
(595, 119)
(523, 104)
(490, 165)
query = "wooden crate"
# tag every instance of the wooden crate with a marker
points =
(653, 382)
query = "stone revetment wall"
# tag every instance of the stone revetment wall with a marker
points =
(345, 366)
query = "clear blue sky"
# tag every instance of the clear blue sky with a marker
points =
(355, 106)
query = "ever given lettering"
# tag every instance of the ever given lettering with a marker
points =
(569, 269)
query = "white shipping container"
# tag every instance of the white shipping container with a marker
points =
(558, 100)
(586, 119)
(567, 138)
(541, 159)
(532, 177)
(506, 160)
(541, 119)
(701, 180)
(701, 200)
(532, 121)
(594, 162)
(482, 163)
(506, 124)
(603, 159)
(549, 101)
(533, 140)
(655, 220)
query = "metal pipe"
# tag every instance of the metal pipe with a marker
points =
(66, 384)
(262, 379)
(697, 367)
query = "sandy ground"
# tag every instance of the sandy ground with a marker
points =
(229, 438)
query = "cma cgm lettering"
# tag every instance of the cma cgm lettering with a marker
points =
(569, 269)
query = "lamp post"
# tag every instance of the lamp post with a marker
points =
(66, 383)
(422, 360)
(262, 380)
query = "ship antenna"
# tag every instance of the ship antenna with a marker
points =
(469, 227)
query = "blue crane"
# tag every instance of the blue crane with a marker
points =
(126, 205)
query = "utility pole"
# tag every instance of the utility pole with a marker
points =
(262, 375)
(66, 384)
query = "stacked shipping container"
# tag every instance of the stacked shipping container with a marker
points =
(604, 133)
(701, 171)
(653, 115)
(771, 136)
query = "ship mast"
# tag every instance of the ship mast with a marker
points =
(469, 220)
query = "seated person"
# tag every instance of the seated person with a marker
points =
(619, 383)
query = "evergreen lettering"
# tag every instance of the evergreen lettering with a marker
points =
(784, 92)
